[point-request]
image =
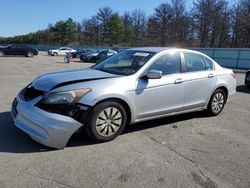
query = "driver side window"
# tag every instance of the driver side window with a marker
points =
(169, 64)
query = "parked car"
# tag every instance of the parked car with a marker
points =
(97, 57)
(118, 50)
(77, 54)
(18, 49)
(135, 85)
(86, 57)
(60, 51)
(247, 78)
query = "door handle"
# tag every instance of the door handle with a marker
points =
(211, 75)
(178, 80)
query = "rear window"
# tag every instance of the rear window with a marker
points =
(194, 62)
(209, 64)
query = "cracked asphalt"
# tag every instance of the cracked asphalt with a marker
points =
(190, 150)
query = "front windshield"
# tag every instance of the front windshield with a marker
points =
(125, 63)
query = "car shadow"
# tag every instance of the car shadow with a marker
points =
(13, 140)
(11, 56)
(243, 89)
(62, 62)
(166, 121)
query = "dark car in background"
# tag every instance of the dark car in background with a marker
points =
(78, 53)
(98, 56)
(18, 49)
(118, 49)
(247, 78)
(86, 57)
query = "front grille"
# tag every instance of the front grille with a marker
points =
(30, 93)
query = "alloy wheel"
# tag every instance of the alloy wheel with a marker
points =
(218, 102)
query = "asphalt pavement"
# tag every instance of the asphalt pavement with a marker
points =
(190, 150)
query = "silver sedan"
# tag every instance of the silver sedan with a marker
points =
(135, 85)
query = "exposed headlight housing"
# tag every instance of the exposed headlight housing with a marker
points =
(65, 97)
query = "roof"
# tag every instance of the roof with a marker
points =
(152, 49)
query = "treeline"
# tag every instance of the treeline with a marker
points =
(208, 23)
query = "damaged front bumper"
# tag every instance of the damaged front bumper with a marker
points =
(51, 129)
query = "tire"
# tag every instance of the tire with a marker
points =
(106, 121)
(247, 82)
(77, 56)
(216, 103)
(65, 60)
(1, 54)
(55, 54)
(30, 54)
(92, 60)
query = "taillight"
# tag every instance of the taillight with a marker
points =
(234, 75)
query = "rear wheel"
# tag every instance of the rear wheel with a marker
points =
(247, 82)
(1, 54)
(106, 121)
(217, 102)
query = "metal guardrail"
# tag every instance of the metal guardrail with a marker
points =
(229, 57)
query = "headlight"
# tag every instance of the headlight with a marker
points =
(65, 97)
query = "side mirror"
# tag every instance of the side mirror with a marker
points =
(154, 74)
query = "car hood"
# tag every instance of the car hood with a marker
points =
(50, 81)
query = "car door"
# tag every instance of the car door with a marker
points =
(156, 97)
(62, 51)
(23, 50)
(200, 80)
(13, 50)
(102, 55)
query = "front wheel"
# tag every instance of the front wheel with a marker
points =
(1, 54)
(55, 54)
(77, 56)
(216, 103)
(106, 121)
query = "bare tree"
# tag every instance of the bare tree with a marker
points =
(241, 25)
(91, 31)
(179, 22)
(203, 11)
(139, 25)
(211, 23)
(128, 33)
(103, 16)
(163, 15)
(152, 32)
